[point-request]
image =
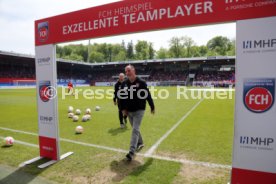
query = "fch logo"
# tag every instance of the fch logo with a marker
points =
(258, 94)
(44, 90)
(43, 31)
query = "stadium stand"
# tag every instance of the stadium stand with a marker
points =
(19, 70)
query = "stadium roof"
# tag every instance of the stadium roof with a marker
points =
(215, 58)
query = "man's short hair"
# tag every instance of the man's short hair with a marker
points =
(131, 66)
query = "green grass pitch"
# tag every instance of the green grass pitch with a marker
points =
(206, 135)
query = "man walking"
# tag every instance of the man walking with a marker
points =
(116, 100)
(134, 105)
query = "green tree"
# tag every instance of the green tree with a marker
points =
(211, 53)
(67, 50)
(194, 51)
(118, 52)
(151, 51)
(188, 43)
(74, 57)
(179, 47)
(109, 52)
(81, 50)
(162, 53)
(59, 51)
(203, 50)
(123, 45)
(142, 50)
(219, 45)
(96, 57)
(130, 51)
(232, 49)
(104, 50)
(176, 47)
(121, 56)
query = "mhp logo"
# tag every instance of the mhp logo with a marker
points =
(43, 31)
(259, 44)
(258, 141)
(258, 94)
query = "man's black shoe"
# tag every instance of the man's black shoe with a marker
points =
(125, 121)
(130, 156)
(139, 147)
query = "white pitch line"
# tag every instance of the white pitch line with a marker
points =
(18, 131)
(191, 162)
(70, 141)
(183, 161)
(95, 146)
(154, 147)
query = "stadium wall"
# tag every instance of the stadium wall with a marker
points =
(31, 83)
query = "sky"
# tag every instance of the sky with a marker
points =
(17, 25)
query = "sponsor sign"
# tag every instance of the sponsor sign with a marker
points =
(255, 113)
(47, 101)
(259, 94)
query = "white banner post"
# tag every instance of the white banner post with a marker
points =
(47, 105)
(254, 154)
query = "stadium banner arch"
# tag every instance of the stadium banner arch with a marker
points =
(139, 16)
